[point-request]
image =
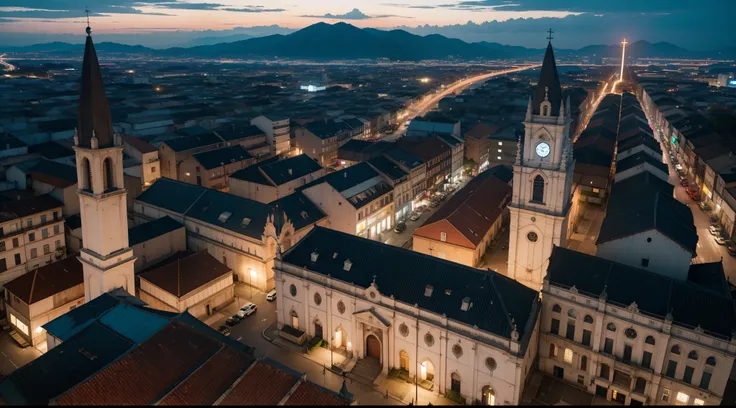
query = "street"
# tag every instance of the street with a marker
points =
(422, 107)
(6, 65)
(250, 331)
(12, 356)
(707, 250)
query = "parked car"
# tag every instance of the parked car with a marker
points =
(703, 206)
(414, 216)
(715, 230)
(247, 310)
(694, 195)
(224, 330)
(399, 228)
(434, 204)
(731, 248)
(271, 296)
(233, 320)
(720, 240)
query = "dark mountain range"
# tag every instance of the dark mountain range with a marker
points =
(343, 41)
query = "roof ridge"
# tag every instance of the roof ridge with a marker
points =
(33, 285)
(509, 319)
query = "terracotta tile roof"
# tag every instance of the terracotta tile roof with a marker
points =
(472, 211)
(210, 380)
(311, 394)
(145, 374)
(264, 384)
(47, 280)
(186, 275)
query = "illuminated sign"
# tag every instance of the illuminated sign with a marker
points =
(674, 140)
(732, 83)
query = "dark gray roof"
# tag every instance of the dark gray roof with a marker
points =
(497, 301)
(404, 158)
(640, 158)
(643, 203)
(387, 167)
(292, 168)
(231, 212)
(51, 150)
(690, 304)
(548, 79)
(239, 132)
(326, 130)
(152, 229)
(192, 142)
(219, 157)
(93, 116)
(298, 209)
(353, 176)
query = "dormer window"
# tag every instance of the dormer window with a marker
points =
(348, 264)
(466, 304)
(314, 256)
(428, 290)
(224, 216)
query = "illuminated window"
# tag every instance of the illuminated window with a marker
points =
(698, 401)
(568, 356)
(17, 323)
(499, 150)
(500, 143)
(682, 397)
(499, 157)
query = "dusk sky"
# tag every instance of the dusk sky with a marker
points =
(702, 25)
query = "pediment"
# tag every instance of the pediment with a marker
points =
(372, 317)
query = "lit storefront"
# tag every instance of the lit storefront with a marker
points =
(377, 223)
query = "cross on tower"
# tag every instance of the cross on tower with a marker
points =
(549, 35)
(89, 30)
(374, 279)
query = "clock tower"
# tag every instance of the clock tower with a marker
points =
(542, 184)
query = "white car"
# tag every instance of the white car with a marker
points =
(271, 296)
(414, 216)
(247, 310)
(678, 166)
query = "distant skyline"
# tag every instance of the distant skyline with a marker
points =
(697, 25)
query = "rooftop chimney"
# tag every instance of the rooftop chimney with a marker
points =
(291, 173)
(315, 255)
(428, 290)
(348, 265)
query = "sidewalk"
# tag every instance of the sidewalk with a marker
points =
(407, 393)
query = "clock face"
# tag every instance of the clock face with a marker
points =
(542, 149)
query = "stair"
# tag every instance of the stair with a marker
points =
(18, 338)
(366, 371)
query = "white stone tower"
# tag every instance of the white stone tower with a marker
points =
(106, 259)
(543, 175)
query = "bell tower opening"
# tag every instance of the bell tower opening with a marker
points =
(87, 172)
(108, 175)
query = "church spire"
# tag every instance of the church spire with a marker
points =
(94, 112)
(549, 82)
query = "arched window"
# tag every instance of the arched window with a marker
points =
(693, 355)
(556, 308)
(572, 313)
(87, 172)
(588, 319)
(538, 191)
(489, 396)
(108, 174)
(294, 320)
(649, 340)
(455, 382)
(675, 350)
(611, 327)
(545, 110)
(404, 360)
(711, 361)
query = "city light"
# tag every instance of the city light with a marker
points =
(158, 89)
(130, 71)
(424, 80)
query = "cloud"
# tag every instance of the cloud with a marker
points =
(354, 14)
(585, 6)
(411, 6)
(254, 9)
(189, 6)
